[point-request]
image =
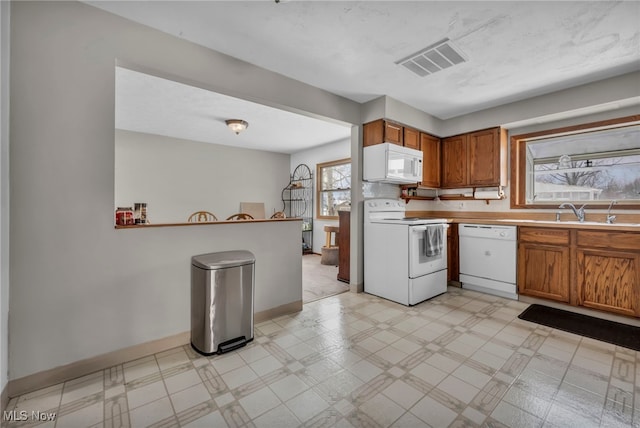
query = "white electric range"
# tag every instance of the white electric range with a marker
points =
(405, 259)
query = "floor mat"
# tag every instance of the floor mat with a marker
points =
(616, 333)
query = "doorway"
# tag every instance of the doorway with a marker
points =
(319, 281)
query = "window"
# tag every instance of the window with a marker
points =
(593, 163)
(333, 187)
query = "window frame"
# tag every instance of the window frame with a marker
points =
(518, 162)
(320, 190)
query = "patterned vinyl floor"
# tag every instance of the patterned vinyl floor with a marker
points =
(462, 359)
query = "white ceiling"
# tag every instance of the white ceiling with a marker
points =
(514, 49)
(159, 106)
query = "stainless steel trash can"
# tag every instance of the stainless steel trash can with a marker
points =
(222, 289)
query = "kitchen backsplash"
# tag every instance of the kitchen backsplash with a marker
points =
(380, 190)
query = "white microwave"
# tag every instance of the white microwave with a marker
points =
(390, 163)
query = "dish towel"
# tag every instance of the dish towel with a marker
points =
(433, 240)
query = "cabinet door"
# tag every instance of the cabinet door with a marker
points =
(344, 245)
(453, 253)
(411, 138)
(380, 131)
(454, 161)
(430, 147)
(392, 133)
(373, 133)
(543, 271)
(483, 151)
(609, 280)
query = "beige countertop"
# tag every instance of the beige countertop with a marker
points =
(591, 225)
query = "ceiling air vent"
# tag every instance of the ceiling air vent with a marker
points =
(433, 58)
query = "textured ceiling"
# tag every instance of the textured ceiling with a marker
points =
(514, 49)
(158, 106)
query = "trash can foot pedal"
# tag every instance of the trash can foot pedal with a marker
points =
(232, 344)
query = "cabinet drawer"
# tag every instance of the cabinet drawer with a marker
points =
(609, 240)
(543, 235)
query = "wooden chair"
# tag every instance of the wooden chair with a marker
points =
(240, 216)
(279, 214)
(201, 217)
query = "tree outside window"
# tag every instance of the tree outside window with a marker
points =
(595, 163)
(333, 187)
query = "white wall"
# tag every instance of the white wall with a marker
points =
(79, 287)
(592, 94)
(505, 204)
(312, 157)
(4, 194)
(184, 176)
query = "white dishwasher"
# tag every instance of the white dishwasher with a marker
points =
(488, 259)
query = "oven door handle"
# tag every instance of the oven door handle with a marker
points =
(421, 229)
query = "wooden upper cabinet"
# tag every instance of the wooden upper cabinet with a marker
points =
(373, 133)
(454, 161)
(476, 159)
(484, 157)
(430, 147)
(382, 131)
(392, 133)
(411, 138)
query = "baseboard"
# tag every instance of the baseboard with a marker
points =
(356, 288)
(80, 368)
(4, 398)
(84, 367)
(289, 308)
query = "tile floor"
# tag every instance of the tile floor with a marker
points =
(354, 360)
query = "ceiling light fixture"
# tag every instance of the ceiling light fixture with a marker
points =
(237, 125)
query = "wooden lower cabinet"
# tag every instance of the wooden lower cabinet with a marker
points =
(344, 245)
(543, 263)
(453, 253)
(588, 268)
(608, 271)
(543, 271)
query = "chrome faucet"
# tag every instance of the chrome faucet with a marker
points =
(579, 212)
(611, 218)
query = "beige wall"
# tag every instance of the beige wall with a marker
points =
(4, 197)
(80, 288)
(178, 177)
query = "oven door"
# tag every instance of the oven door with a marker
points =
(419, 262)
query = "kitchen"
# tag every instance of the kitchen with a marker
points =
(74, 82)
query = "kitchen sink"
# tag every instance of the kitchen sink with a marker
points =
(584, 223)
